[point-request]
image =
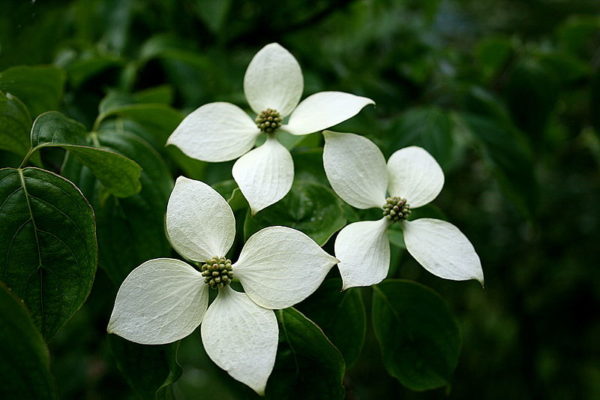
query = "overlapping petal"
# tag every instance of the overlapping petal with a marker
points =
(324, 110)
(161, 301)
(200, 223)
(363, 249)
(355, 169)
(273, 80)
(215, 132)
(241, 338)
(279, 267)
(265, 174)
(415, 176)
(442, 249)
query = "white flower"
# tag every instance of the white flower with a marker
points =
(273, 86)
(412, 178)
(164, 300)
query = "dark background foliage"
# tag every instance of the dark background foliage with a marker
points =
(504, 93)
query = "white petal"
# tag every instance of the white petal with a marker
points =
(241, 338)
(279, 267)
(364, 253)
(415, 176)
(323, 110)
(355, 169)
(161, 301)
(273, 80)
(265, 174)
(442, 249)
(215, 132)
(200, 223)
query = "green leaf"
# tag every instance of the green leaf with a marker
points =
(24, 358)
(595, 102)
(15, 125)
(137, 220)
(308, 365)
(341, 315)
(40, 87)
(119, 174)
(509, 159)
(531, 93)
(48, 244)
(149, 370)
(418, 335)
(308, 207)
(55, 128)
(427, 127)
(160, 120)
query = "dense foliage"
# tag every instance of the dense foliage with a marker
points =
(504, 94)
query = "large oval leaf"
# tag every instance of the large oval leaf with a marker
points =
(149, 370)
(47, 244)
(309, 207)
(308, 366)
(24, 359)
(39, 87)
(119, 174)
(130, 230)
(341, 315)
(418, 335)
(15, 124)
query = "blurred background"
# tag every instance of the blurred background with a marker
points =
(504, 93)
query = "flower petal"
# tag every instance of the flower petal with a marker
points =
(265, 174)
(200, 223)
(442, 249)
(355, 169)
(241, 338)
(415, 176)
(215, 132)
(363, 249)
(279, 267)
(161, 301)
(273, 80)
(323, 110)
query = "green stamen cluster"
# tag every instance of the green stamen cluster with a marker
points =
(269, 120)
(396, 209)
(217, 272)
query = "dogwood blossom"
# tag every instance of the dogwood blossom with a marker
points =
(273, 85)
(164, 300)
(358, 173)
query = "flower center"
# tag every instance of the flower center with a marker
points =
(269, 120)
(396, 209)
(217, 272)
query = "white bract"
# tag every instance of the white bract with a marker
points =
(412, 178)
(273, 86)
(164, 300)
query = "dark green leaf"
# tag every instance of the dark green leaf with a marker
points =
(341, 315)
(119, 174)
(308, 207)
(40, 87)
(418, 335)
(15, 125)
(149, 370)
(48, 244)
(509, 159)
(427, 127)
(595, 102)
(54, 127)
(308, 365)
(84, 69)
(531, 93)
(159, 120)
(24, 359)
(138, 220)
